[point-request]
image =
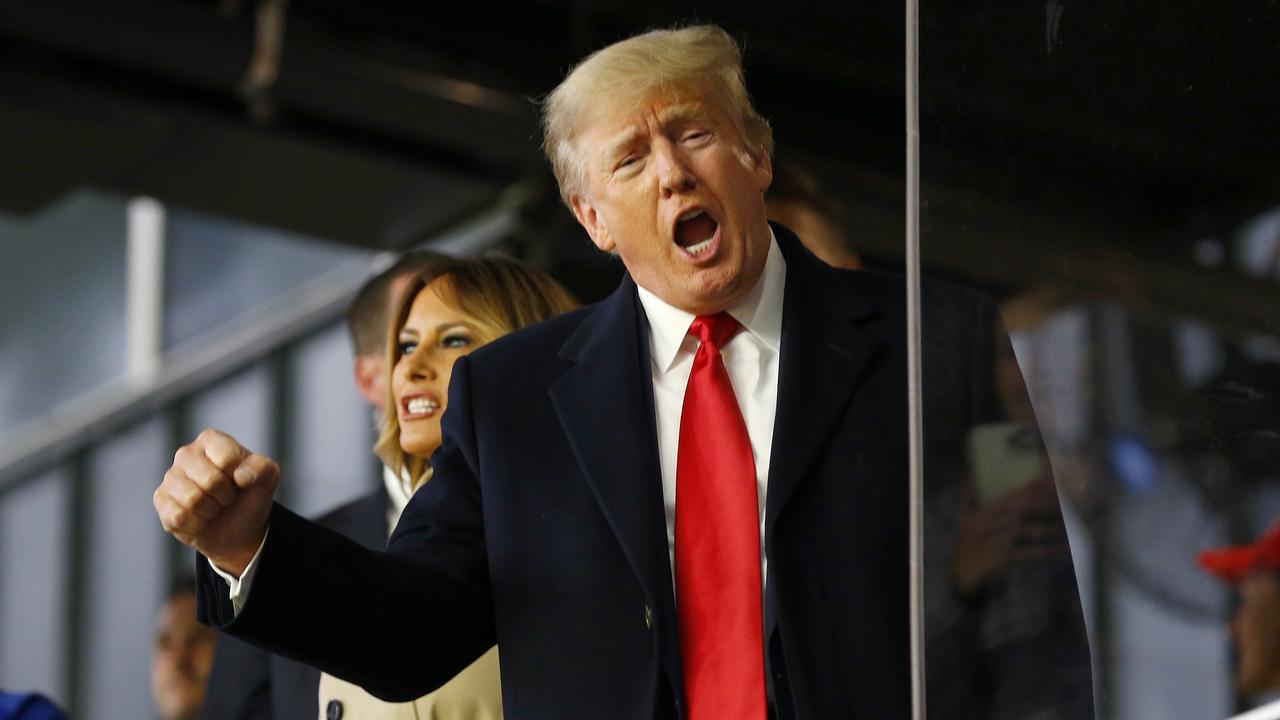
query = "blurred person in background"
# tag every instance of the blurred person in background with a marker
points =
(1254, 571)
(182, 655)
(446, 313)
(252, 684)
(796, 199)
(1230, 422)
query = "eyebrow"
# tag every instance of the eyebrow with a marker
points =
(445, 327)
(438, 329)
(621, 142)
(682, 113)
(670, 116)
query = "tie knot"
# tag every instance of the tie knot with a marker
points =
(714, 330)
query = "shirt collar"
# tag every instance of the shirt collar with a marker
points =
(760, 312)
(399, 489)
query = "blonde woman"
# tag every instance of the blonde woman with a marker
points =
(446, 313)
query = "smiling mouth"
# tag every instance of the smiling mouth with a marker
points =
(419, 406)
(695, 232)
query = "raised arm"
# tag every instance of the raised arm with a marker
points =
(398, 623)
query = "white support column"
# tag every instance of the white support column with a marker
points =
(144, 293)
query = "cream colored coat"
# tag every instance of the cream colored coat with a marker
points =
(473, 694)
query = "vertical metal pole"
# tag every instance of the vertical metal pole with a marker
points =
(144, 287)
(915, 410)
(77, 567)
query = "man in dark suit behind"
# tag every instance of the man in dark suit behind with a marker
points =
(689, 500)
(248, 683)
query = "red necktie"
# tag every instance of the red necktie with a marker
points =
(717, 541)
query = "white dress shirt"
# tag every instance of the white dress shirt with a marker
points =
(399, 490)
(750, 358)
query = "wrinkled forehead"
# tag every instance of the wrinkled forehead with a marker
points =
(625, 118)
(648, 119)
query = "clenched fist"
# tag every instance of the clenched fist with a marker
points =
(216, 498)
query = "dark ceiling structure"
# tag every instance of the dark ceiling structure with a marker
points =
(1107, 138)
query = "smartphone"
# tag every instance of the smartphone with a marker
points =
(1003, 456)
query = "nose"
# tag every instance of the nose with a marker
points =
(419, 365)
(674, 175)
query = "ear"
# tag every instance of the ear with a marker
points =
(762, 170)
(368, 373)
(590, 221)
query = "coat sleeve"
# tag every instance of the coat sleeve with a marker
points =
(399, 623)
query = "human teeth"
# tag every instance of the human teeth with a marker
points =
(699, 248)
(422, 405)
(691, 214)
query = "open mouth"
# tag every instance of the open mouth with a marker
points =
(695, 232)
(416, 406)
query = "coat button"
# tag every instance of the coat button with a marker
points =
(333, 711)
(648, 617)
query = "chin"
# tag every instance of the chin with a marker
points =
(716, 289)
(419, 446)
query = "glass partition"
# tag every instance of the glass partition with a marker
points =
(1108, 177)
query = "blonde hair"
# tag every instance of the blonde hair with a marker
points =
(701, 59)
(498, 295)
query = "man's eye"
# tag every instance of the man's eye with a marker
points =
(628, 161)
(406, 347)
(695, 136)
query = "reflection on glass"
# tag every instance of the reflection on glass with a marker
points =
(1108, 172)
(1005, 635)
(1254, 571)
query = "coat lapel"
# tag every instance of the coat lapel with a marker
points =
(605, 405)
(823, 355)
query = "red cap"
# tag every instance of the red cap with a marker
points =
(1233, 564)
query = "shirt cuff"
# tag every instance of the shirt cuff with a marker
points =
(240, 585)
